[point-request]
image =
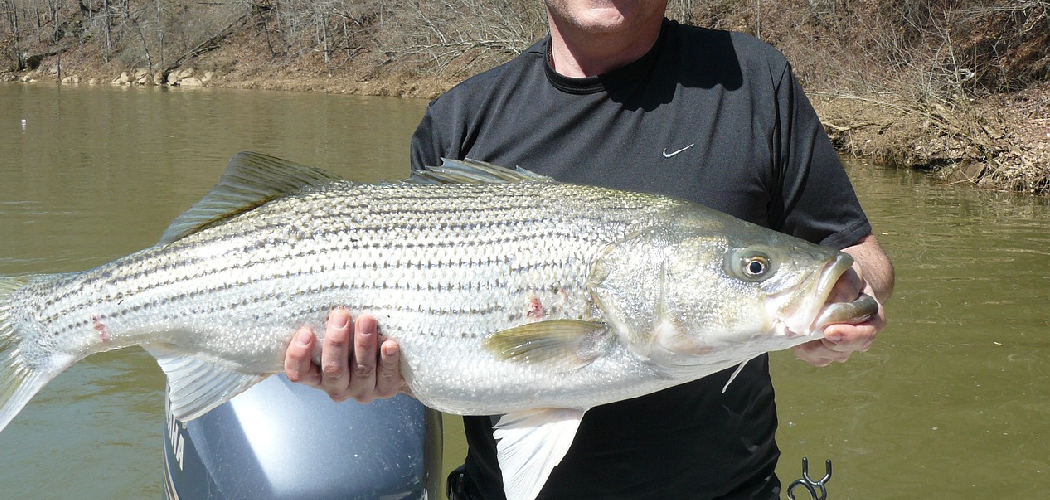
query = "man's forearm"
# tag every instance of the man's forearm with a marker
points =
(875, 266)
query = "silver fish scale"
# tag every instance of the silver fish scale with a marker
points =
(441, 266)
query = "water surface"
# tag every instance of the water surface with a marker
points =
(99, 172)
(953, 399)
(951, 402)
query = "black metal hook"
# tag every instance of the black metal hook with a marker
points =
(816, 489)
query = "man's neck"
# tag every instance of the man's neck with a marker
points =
(577, 54)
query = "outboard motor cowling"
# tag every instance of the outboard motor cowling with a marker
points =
(280, 440)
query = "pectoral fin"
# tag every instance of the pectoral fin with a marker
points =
(196, 386)
(568, 344)
(530, 443)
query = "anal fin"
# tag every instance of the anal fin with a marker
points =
(530, 443)
(196, 386)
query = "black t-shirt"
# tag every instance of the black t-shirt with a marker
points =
(708, 116)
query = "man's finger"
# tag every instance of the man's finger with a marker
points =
(364, 359)
(335, 369)
(817, 353)
(388, 379)
(841, 337)
(298, 359)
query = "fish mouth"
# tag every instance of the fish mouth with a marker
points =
(832, 272)
(815, 312)
(857, 311)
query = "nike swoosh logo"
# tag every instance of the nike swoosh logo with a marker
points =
(672, 153)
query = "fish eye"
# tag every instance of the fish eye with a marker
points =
(755, 266)
(749, 264)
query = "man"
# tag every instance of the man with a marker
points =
(617, 96)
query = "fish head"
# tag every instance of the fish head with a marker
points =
(715, 291)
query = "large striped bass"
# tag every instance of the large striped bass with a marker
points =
(508, 293)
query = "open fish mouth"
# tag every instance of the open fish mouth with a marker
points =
(855, 312)
(816, 312)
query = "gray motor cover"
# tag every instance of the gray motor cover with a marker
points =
(280, 440)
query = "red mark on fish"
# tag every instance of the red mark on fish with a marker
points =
(535, 309)
(100, 328)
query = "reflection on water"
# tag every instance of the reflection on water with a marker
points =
(950, 402)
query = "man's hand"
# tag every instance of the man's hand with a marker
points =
(872, 274)
(841, 340)
(355, 362)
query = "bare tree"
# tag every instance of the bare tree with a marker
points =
(441, 32)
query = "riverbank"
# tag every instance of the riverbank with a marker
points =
(877, 74)
(1001, 142)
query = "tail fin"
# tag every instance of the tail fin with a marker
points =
(22, 373)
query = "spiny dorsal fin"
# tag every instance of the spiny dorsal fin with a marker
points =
(251, 179)
(473, 172)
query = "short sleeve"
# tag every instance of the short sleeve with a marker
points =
(426, 147)
(816, 201)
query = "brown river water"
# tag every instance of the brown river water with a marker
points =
(952, 401)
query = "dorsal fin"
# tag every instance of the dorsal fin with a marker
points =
(472, 172)
(251, 179)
